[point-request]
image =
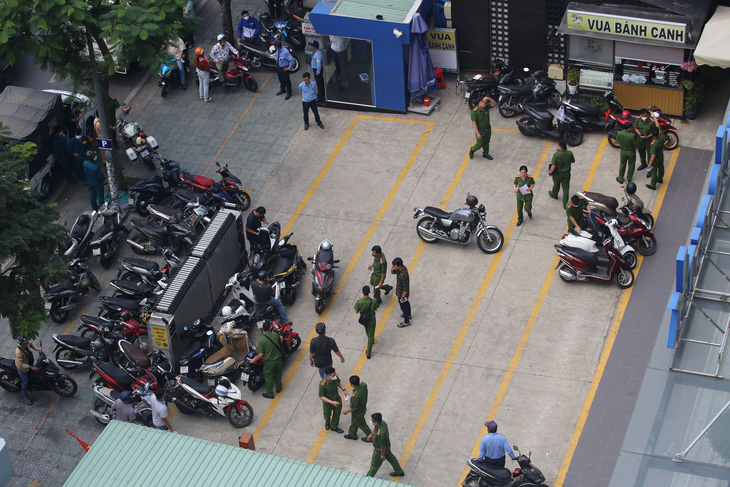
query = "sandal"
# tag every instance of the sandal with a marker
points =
(29, 402)
(403, 325)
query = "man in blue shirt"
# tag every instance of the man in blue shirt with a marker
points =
(493, 446)
(248, 28)
(317, 69)
(95, 179)
(309, 100)
(284, 64)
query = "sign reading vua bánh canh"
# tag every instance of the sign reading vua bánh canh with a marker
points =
(656, 30)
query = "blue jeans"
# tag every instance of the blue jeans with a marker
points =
(276, 304)
(163, 428)
(322, 375)
(24, 383)
(181, 68)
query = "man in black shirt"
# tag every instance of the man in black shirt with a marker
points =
(321, 348)
(263, 295)
(253, 223)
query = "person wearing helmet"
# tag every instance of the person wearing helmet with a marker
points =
(24, 364)
(263, 295)
(249, 28)
(123, 407)
(95, 179)
(202, 67)
(380, 269)
(642, 126)
(220, 54)
(523, 185)
(655, 169)
(560, 171)
(269, 350)
(628, 142)
(321, 348)
(284, 64)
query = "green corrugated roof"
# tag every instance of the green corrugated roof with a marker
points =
(126, 454)
(391, 10)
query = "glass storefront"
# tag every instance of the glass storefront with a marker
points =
(348, 70)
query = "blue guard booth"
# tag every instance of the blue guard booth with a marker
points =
(365, 45)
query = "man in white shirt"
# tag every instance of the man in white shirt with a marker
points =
(159, 410)
(339, 48)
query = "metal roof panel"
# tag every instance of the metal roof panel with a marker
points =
(391, 10)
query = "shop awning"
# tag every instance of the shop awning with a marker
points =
(712, 49)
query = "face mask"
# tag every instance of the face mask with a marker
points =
(246, 18)
(334, 377)
(78, 137)
(644, 118)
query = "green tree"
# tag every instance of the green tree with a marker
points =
(227, 20)
(29, 241)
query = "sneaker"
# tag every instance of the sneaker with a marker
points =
(208, 99)
(202, 98)
(620, 180)
(306, 126)
(471, 154)
(487, 156)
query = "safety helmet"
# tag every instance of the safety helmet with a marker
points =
(320, 327)
(90, 155)
(22, 340)
(143, 135)
(251, 355)
(263, 275)
(199, 51)
(74, 278)
(326, 245)
(221, 37)
(221, 390)
(471, 200)
(85, 283)
(226, 311)
(631, 187)
(126, 396)
(625, 114)
(264, 16)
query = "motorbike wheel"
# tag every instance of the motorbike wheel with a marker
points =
(106, 262)
(507, 110)
(625, 278)
(295, 342)
(140, 240)
(474, 98)
(611, 136)
(556, 99)
(426, 222)
(296, 65)
(526, 126)
(574, 137)
(5, 377)
(254, 384)
(163, 91)
(490, 240)
(56, 313)
(672, 140)
(243, 200)
(65, 386)
(94, 282)
(565, 268)
(251, 84)
(184, 407)
(289, 296)
(647, 244)
(630, 259)
(66, 354)
(143, 342)
(240, 418)
(319, 305)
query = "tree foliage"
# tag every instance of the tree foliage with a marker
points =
(29, 241)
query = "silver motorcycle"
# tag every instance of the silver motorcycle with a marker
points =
(459, 226)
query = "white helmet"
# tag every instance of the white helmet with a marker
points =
(326, 245)
(221, 37)
(272, 49)
(221, 390)
(226, 311)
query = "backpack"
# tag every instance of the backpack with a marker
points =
(365, 315)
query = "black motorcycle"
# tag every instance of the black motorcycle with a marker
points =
(202, 343)
(46, 378)
(262, 53)
(502, 75)
(483, 474)
(459, 226)
(252, 375)
(74, 351)
(135, 290)
(132, 269)
(155, 189)
(283, 30)
(539, 122)
(152, 237)
(114, 308)
(540, 90)
(107, 238)
(80, 235)
(323, 274)
(61, 299)
(589, 117)
(263, 250)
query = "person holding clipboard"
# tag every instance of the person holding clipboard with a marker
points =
(523, 189)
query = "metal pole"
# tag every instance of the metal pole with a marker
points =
(108, 156)
(679, 457)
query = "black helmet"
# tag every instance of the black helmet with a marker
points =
(631, 187)
(22, 340)
(91, 155)
(74, 278)
(471, 200)
(264, 16)
(320, 328)
(263, 275)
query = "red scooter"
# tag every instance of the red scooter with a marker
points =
(671, 140)
(238, 74)
(252, 374)
(634, 228)
(580, 265)
(93, 326)
(229, 183)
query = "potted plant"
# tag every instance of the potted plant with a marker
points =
(573, 77)
(694, 91)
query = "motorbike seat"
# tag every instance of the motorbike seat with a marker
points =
(589, 257)
(79, 231)
(608, 201)
(325, 257)
(191, 350)
(147, 225)
(186, 195)
(197, 386)
(282, 264)
(136, 287)
(200, 180)
(135, 354)
(8, 363)
(144, 264)
(67, 286)
(623, 220)
(165, 210)
(437, 212)
(146, 183)
(98, 321)
(120, 376)
(516, 90)
(490, 470)
(588, 108)
(128, 304)
(539, 114)
(75, 341)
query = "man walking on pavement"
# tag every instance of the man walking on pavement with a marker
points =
(263, 295)
(284, 64)
(482, 127)
(656, 151)
(381, 448)
(309, 100)
(95, 179)
(317, 69)
(560, 171)
(358, 407)
(321, 348)
(402, 290)
(628, 143)
(380, 269)
(269, 348)
(331, 401)
(366, 306)
(642, 126)
(493, 446)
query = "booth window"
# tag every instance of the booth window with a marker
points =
(348, 70)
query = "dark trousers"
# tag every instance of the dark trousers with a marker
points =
(341, 67)
(96, 195)
(306, 105)
(406, 310)
(496, 461)
(284, 81)
(319, 78)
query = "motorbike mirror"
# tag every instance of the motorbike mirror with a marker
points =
(217, 164)
(309, 259)
(336, 261)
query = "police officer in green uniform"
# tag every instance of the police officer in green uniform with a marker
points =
(361, 305)
(381, 448)
(331, 401)
(269, 348)
(521, 180)
(358, 406)
(560, 171)
(642, 126)
(482, 127)
(574, 211)
(380, 269)
(656, 151)
(628, 142)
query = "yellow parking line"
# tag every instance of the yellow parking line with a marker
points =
(610, 340)
(353, 262)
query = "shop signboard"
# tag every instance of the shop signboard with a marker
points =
(160, 336)
(442, 46)
(655, 30)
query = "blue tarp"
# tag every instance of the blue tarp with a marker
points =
(421, 78)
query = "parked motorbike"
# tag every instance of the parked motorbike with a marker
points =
(252, 374)
(192, 397)
(122, 379)
(287, 267)
(578, 265)
(105, 397)
(169, 76)
(202, 343)
(136, 290)
(590, 244)
(106, 239)
(262, 54)
(671, 138)
(139, 145)
(226, 362)
(609, 205)
(46, 378)
(480, 86)
(92, 328)
(229, 183)
(239, 74)
(240, 309)
(74, 351)
(484, 474)
(588, 116)
(263, 251)
(132, 269)
(540, 90)
(155, 189)
(283, 30)
(459, 226)
(80, 235)
(323, 274)
(61, 299)
(539, 122)
(115, 308)
(636, 233)
(152, 237)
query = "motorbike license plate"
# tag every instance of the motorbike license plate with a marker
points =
(47, 305)
(96, 251)
(211, 382)
(467, 94)
(244, 377)
(183, 369)
(144, 153)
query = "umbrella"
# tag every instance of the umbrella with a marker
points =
(421, 77)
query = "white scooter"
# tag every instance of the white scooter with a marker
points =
(192, 397)
(241, 308)
(585, 242)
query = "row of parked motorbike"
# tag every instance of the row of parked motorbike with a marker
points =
(531, 95)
